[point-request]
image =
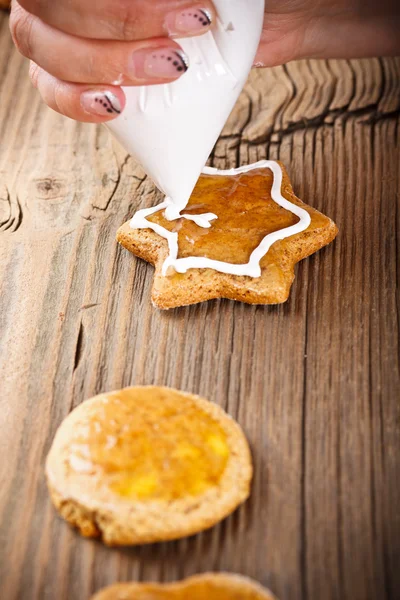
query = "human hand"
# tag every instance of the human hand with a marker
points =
(295, 29)
(82, 52)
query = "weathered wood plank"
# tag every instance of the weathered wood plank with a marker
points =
(315, 383)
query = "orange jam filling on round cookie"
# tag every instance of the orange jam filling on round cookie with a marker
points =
(246, 214)
(195, 590)
(150, 444)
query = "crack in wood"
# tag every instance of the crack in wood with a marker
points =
(87, 306)
(13, 221)
(104, 207)
(79, 347)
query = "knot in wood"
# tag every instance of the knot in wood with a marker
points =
(50, 188)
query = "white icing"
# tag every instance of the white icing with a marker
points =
(171, 129)
(252, 268)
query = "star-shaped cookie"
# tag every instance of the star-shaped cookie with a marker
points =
(239, 237)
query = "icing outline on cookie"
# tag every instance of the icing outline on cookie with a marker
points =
(250, 269)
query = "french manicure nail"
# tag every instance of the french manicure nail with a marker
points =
(101, 103)
(190, 20)
(160, 63)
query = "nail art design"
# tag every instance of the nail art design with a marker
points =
(101, 103)
(191, 18)
(105, 100)
(161, 63)
(189, 21)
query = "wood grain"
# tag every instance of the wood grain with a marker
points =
(315, 382)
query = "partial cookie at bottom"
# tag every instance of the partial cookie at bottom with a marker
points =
(210, 586)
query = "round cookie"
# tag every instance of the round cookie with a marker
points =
(210, 586)
(147, 464)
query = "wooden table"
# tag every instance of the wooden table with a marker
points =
(315, 382)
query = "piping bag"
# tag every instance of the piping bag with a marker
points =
(171, 129)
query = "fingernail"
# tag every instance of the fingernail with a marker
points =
(101, 103)
(160, 63)
(190, 20)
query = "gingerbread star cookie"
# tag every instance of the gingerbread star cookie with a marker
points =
(239, 237)
(147, 464)
(210, 586)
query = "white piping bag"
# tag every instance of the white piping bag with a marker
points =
(171, 129)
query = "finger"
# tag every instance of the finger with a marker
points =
(80, 60)
(279, 45)
(125, 19)
(95, 104)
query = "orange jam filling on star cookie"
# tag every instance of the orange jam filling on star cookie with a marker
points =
(150, 445)
(246, 214)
